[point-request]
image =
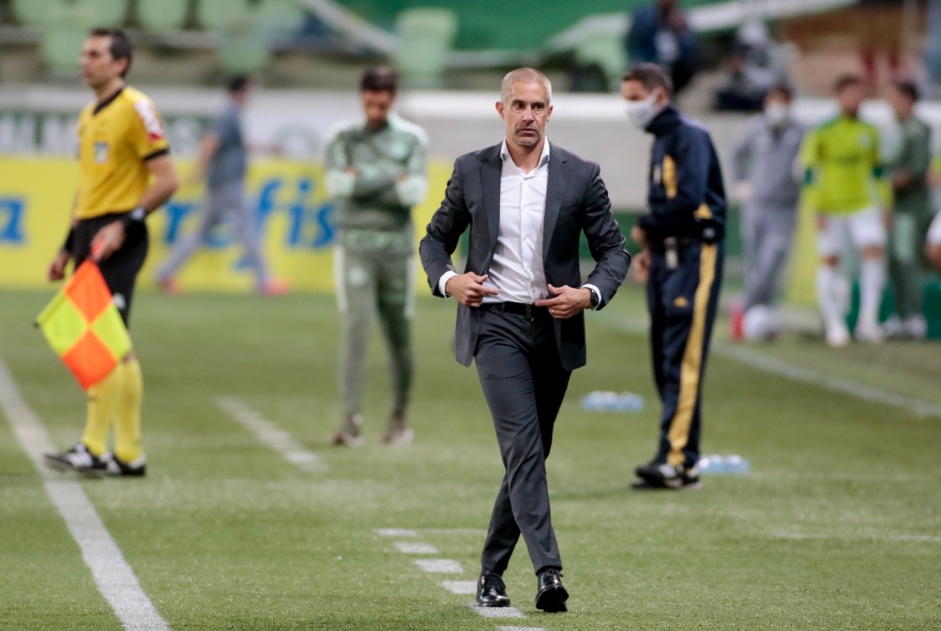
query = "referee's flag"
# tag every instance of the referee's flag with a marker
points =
(84, 328)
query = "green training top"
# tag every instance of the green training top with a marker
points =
(843, 171)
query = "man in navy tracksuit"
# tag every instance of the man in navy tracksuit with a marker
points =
(682, 262)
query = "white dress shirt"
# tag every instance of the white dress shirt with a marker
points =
(518, 270)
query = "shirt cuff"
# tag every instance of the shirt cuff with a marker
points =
(448, 275)
(596, 292)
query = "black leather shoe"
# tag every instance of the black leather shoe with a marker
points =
(551, 595)
(491, 591)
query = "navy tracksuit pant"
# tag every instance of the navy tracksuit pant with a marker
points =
(682, 302)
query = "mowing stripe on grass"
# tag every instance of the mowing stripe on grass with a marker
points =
(460, 587)
(415, 547)
(440, 566)
(795, 372)
(915, 538)
(520, 629)
(497, 612)
(272, 435)
(114, 577)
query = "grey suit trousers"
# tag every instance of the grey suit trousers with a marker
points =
(524, 383)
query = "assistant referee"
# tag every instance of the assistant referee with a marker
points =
(126, 173)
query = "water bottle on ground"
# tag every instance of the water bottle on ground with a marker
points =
(606, 401)
(723, 465)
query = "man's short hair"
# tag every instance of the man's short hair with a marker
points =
(238, 83)
(120, 44)
(848, 80)
(524, 75)
(781, 89)
(907, 88)
(651, 76)
(379, 79)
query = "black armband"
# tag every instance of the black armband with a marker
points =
(69, 245)
(135, 217)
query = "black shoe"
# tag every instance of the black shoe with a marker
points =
(657, 475)
(79, 459)
(491, 591)
(551, 595)
(118, 468)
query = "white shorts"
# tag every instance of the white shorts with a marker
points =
(865, 228)
(934, 231)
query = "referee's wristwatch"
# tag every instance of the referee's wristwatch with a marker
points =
(134, 218)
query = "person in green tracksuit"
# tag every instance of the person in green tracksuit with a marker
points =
(846, 186)
(376, 171)
(911, 214)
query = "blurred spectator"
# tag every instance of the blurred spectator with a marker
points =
(933, 243)
(880, 27)
(847, 189)
(223, 158)
(660, 34)
(768, 189)
(911, 213)
(755, 65)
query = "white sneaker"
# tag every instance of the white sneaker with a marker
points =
(894, 329)
(917, 327)
(837, 334)
(868, 332)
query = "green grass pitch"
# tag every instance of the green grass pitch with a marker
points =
(838, 526)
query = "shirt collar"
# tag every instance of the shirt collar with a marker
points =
(543, 158)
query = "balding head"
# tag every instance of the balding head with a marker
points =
(524, 75)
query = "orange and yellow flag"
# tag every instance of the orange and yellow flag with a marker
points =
(84, 328)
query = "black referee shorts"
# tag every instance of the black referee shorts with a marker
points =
(121, 268)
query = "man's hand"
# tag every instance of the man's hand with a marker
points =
(57, 267)
(108, 240)
(639, 236)
(567, 301)
(640, 265)
(468, 289)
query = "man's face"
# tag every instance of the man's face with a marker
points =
(525, 113)
(98, 66)
(901, 104)
(376, 106)
(635, 91)
(851, 98)
(241, 96)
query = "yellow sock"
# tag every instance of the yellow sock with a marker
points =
(103, 399)
(127, 430)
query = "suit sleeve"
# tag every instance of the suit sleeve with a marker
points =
(605, 241)
(443, 232)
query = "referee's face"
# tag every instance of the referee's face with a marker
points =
(99, 67)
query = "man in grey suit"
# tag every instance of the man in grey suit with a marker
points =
(521, 299)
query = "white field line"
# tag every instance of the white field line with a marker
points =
(114, 577)
(440, 566)
(795, 372)
(460, 587)
(497, 612)
(875, 537)
(395, 532)
(272, 435)
(415, 547)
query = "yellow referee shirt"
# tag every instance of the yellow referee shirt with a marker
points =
(116, 138)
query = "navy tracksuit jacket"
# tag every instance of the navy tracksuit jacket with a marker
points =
(685, 226)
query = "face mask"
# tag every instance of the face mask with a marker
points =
(777, 114)
(640, 113)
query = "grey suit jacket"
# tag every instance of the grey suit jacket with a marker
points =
(576, 201)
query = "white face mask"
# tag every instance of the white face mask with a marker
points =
(777, 114)
(640, 113)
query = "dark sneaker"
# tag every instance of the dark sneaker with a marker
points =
(349, 433)
(117, 468)
(79, 459)
(656, 475)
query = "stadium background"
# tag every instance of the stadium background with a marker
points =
(835, 527)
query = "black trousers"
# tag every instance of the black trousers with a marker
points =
(524, 383)
(121, 268)
(682, 303)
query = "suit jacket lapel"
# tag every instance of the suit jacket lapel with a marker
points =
(555, 189)
(490, 172)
